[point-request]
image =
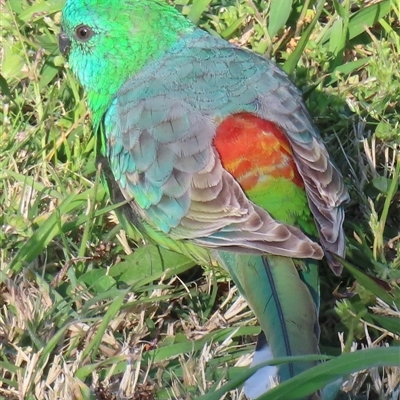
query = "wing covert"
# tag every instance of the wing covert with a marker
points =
(160, 132)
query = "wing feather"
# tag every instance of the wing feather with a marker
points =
(163, 122)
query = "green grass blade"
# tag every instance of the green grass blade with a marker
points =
(51, 227)
(93, 347)
(291, 63)
(197, 9)
(279, 13)
(316, 378)
(367, 282)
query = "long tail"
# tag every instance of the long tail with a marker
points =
(285, 299)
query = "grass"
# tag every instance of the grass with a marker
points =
(89, 310)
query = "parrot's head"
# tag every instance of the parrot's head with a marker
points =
(107, 41)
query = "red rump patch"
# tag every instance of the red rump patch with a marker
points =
(251, 148)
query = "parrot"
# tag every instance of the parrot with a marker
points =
(211, 145)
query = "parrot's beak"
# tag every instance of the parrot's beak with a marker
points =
(64, 43)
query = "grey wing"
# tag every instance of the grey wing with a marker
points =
(161, 129)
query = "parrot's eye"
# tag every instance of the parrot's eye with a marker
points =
(84, 33)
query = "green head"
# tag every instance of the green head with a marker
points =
(107, 41)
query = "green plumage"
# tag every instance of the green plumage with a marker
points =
(284, 305)
(159, 90)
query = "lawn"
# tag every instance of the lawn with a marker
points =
(90, 310)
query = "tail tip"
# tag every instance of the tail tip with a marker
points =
(266, 377)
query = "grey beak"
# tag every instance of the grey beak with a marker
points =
(64, 43)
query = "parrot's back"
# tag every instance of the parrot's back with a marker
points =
(161, 130)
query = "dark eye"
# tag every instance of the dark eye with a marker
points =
(84, 33)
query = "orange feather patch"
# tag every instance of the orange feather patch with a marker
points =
(255, 151)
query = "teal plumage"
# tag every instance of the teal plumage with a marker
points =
(213, 147)
(298, 327)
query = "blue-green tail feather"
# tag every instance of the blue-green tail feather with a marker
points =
(285, 298)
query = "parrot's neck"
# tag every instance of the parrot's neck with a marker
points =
(116, 69)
